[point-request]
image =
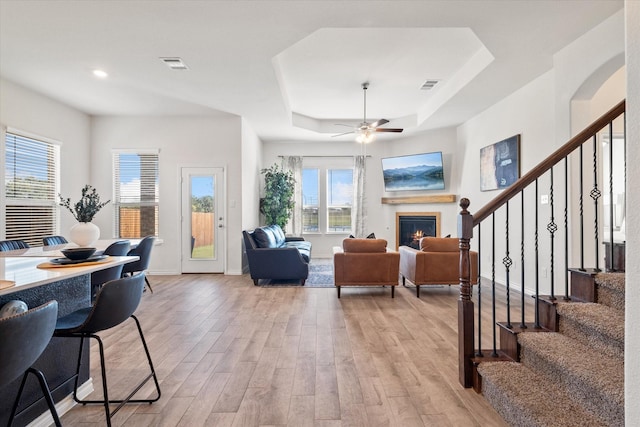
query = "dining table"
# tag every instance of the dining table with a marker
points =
(35, 280)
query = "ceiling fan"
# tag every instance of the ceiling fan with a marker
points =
(365, 133)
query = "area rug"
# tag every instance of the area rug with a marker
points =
(320, 276)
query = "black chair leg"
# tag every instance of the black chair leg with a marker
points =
(45, 391)
(121, 402)
(148, 284)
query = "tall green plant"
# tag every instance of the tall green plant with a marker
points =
(277, 203)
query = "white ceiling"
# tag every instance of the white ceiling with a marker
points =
(293, 69)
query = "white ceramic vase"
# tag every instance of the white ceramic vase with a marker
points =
(84, 234)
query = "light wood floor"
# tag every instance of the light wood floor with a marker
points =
(228, 353)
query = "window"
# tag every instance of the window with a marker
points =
(327, 196)
(135, 193)
(339, 200)
(310, 201)
(31, 186)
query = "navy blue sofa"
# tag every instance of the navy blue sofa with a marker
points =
(272, 255)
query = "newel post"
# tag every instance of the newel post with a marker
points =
(465, 305)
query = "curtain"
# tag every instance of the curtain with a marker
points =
(294, 164)
(358, 211)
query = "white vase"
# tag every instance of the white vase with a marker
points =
(84, 234)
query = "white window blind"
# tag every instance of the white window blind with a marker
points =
(135, 193)
(31, 186)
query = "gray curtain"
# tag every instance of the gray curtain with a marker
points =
(358, 210)
(294, 164)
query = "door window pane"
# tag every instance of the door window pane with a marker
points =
(202, 217)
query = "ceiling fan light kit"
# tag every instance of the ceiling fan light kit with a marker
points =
(365, 133)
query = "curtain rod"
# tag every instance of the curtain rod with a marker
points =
(368, 155)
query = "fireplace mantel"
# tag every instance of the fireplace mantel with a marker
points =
(436, 198)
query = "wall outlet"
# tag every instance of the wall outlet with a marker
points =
(544, 272)
(544, 199)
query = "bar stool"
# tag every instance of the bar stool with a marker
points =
(115, 302)
(98, 278)
(53, 240)
(143, 251)
(23, 338)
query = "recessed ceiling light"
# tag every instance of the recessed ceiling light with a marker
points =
(174, 63)
(100, 73)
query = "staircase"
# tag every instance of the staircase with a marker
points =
(571, 377)
(560, 360)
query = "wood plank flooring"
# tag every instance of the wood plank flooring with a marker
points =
(228, 353)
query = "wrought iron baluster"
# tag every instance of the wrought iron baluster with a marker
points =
(595, 195)
(523, 324)
(537, 264)
(612, 263)
(479, 350)
(581, 209)
(507, 262)
(494, 353)
(552, 228)
(566, 229)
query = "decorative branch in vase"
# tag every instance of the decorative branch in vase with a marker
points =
(85, 233)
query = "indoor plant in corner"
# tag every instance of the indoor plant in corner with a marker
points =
(84, 233)
(277, 203)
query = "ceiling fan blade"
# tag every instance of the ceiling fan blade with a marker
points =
(340, 134)
(389, 130)
(379, 123)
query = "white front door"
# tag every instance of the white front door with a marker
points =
(203, 237)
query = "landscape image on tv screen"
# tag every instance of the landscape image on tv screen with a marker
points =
(413, 172)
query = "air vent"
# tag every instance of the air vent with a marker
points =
(175, 63)
(429, 84)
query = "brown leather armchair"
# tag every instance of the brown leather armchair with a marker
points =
(436, 263)
(365, 262)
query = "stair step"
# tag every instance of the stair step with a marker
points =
(595, 325)
(524, 398)
(611, 290)
(593, 380)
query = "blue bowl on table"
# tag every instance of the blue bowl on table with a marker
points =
(78, 254)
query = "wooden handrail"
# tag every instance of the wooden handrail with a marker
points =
(548, 163)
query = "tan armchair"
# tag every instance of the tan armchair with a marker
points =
(436, 263)
(365, 262)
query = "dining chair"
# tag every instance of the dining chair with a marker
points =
(54, 240)
(98, 278)
(11, 245)
(115, 302)
(143, 251)
(23, 338)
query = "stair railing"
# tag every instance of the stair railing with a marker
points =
(467, 311)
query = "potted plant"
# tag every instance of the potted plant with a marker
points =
(84, 233)
(277, 203)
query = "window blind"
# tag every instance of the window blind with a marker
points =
(135, 193)
(31, 186)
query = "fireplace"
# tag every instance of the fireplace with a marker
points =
(411, 226)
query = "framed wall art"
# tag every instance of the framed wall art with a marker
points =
(500, 164)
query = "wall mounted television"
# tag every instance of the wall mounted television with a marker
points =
(413, 172)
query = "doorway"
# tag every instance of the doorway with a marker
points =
(203, 237)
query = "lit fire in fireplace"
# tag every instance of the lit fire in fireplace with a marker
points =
(418, 235)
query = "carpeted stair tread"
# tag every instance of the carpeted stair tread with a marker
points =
(596, 325)
(524, 398)
(594, 379)
(611, 290)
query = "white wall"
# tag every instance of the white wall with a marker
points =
(632, 335)
(28, 111)
(250, 202)
(380, 217)
(213, 141)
